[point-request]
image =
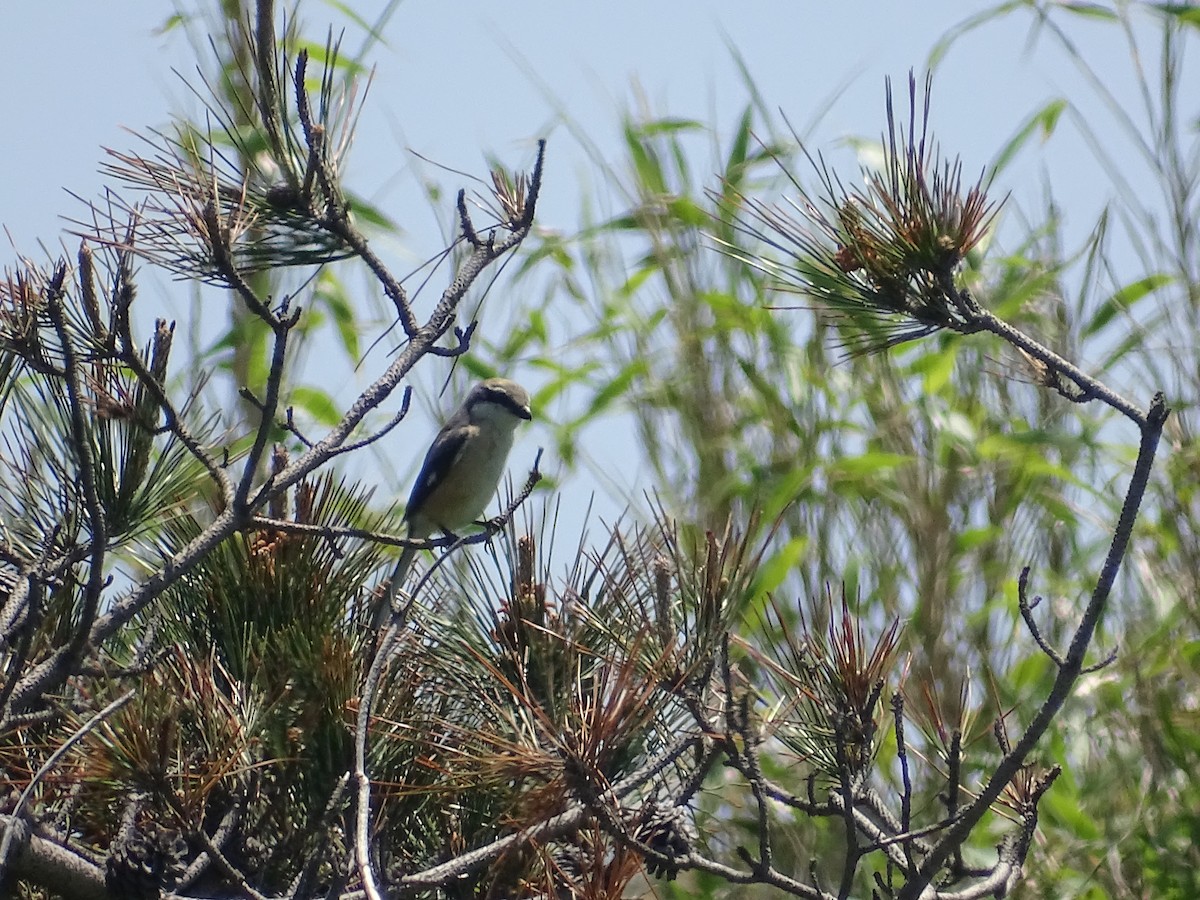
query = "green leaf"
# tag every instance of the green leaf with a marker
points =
(1124, 300)
(1183, 12)
(868, 463)
(636, 280)
(936, 369)
(171, 23)
(1063, 809)
(1041, 123)
(320, 53)
(646, 166)
(1030, 283)
(1030, 676)
(976, 537)
(786, 490)
(616, 388)
(317, 404)
(686, 211)
(736, 163)
(1027, 451)
(369, 214)
(331, 294)
(942, 47)
(1090, 11)
(669, 125)
(773, 571)
(1134, 340)
(348, 11)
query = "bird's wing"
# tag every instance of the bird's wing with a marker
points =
(442, 455)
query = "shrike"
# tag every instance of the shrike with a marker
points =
(461, 470)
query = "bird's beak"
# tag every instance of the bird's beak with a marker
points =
(524, 413)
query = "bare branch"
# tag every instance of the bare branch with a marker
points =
(1026, 607)
(1072, 667)
(49, 863)
(905, 781)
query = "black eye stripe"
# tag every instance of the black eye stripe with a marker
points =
(500, 398)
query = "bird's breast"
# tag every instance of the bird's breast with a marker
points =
(464, 496)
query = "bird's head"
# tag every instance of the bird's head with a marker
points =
(500, 401)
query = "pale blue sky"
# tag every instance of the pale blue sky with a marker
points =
(452, 83)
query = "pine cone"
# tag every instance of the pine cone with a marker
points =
(145, 861)
(669, 831)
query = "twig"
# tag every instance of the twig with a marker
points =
(386, 648)
(288, 422)
(556, 826)
(872, 808)
(754, 774)
(1090, 387)
(617, 829)
(309, 870)
(334, 218)
(905, 782)
(1026, 609)
(81, 441)
(229, 869)
(869, 828)
(405, 402)
(1072, 667)
(463, 336)
(132, 357)
(218, 236)
(1108, 660)
(845, 793)
(270, 404)
(220, 836)
(20, 591)
(771, 877)
(997, 884)
(954, 784)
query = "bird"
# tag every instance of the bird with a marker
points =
(461, 471)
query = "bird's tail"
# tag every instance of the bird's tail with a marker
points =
(383, 612)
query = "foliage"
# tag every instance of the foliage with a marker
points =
(927, 478)
(192, 700)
